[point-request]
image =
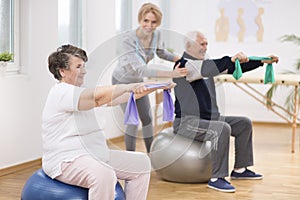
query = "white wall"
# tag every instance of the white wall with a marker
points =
(23, 96)
(101, 46)
(279, 19)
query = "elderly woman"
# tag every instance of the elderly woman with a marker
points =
(138, 48)
(74, 146)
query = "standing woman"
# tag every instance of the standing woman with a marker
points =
(138, 47)
(74, 146)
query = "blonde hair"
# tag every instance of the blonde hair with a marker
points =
(150, 7)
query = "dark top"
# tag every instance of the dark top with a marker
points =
(198, 97)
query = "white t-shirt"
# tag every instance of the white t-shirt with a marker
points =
(68, 133)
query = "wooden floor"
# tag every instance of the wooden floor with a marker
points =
(273, 158)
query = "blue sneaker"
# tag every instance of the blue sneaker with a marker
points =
(247, 174)
(221, 185)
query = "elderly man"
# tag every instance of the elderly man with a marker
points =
(198, 116)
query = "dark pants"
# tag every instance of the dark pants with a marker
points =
(219, 132)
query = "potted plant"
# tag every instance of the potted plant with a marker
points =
(289, 101)
(4, 58)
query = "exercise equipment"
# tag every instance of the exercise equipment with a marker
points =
(269, 74)
(39, 186)
(131, 116)
(177, 158)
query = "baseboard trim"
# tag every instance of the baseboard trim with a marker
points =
(19, 167)
(38, 162)
(273, 123)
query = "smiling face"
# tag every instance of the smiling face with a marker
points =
(148, 23)
(75, 73)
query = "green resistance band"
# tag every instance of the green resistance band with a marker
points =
(269, 74)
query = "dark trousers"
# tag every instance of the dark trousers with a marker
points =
(219, 132)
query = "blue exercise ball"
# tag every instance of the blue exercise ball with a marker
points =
(39, 186)
(180, 159)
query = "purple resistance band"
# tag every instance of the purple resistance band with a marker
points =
(131, 115)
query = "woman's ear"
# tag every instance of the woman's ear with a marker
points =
(62, 73)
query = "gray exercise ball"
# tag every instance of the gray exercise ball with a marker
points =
(180, 159)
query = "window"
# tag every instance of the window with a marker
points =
(123, 15)
(70, 22)
(9, 29)
(6, 21)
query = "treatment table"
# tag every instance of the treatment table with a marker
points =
(292, 80)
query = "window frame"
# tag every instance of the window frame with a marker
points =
(123, 21)
(76, 15)
(14, 67)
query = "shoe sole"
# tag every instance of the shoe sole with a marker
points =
(246, 178)
(221, 190)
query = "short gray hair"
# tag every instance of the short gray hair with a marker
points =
(61, 57)
(191, 37)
